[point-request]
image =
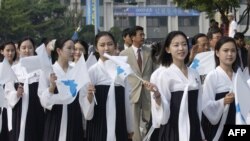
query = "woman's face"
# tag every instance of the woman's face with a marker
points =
(178, 48)
(227, 54)
(105, 44)
(26, 49)
(67, 52)
(9, 52)
(79, 50)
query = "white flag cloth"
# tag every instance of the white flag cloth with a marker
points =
(6, 72)
(91, 60)
(123, 68)
(45, 61)
(75, 79)
(204, 62)
(242, 97)
(30, 63)
(2, 98)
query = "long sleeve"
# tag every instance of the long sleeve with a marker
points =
(161, 113)
(86, 107)
(211, 108)
(11, 94)
(43, 92)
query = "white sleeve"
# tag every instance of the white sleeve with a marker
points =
(128, 107)
(212, 109)
(86, 107)
(43, 91)
(161, 113)
(11, 94)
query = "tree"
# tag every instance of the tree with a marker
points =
(117, 33)
(212, 6)
(35, 18)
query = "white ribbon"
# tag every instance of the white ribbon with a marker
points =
(222, 123)
(111, 113)
(148, 136)
(25, 104)
(63, 127)
(184, 123)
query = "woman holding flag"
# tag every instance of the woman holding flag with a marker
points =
(218, 95)
(176, 98)
(8, 51)
(63, 120)
(110, 118)
(27, 117)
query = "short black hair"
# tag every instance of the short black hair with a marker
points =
(126, 32)
(239, 35)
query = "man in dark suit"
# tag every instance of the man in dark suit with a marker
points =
(140, 61)
(242, 51)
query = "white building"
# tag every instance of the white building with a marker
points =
(158, 17)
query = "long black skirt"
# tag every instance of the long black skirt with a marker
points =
(209, 129)
(97, 127)
(4, 134)
(34, 120)
(74, 122)
(169, 131)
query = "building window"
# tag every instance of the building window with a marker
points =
(124, 22)
(156, 21)
(188, 21)
(156, 2)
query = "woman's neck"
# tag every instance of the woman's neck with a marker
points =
(64, 64)
(228, 70)
(182, 66)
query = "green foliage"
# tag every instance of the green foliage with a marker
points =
(87, 33)
(117, 33)
(209, 6)
(35, 18)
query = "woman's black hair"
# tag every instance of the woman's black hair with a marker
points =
(58, 44)
(165, 58)
(3, 45)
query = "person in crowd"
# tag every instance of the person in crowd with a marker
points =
(8, 51)
(218, 96)
(107, 108)
(126, 38)
(63, 117)
(176, 92)
(199, 44)
(242, 51)
(214, 35)
(27, 112)
(232, 25)
(81, 47)
(139, 58)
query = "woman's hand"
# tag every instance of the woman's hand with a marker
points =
(153, 88)
(91, 92)
(229, 98)
(52, 81)
(20, 90)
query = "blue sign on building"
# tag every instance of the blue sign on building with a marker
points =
(153, 11)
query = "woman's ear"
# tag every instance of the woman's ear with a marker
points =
(167, 50)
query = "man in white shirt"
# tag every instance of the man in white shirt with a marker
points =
(232, 25)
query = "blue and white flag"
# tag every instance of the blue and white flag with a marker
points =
(123, 68)
(242, 97)
(204, 62)
(6, 72)
(74, 80)
(44, 58)
(91, 60)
